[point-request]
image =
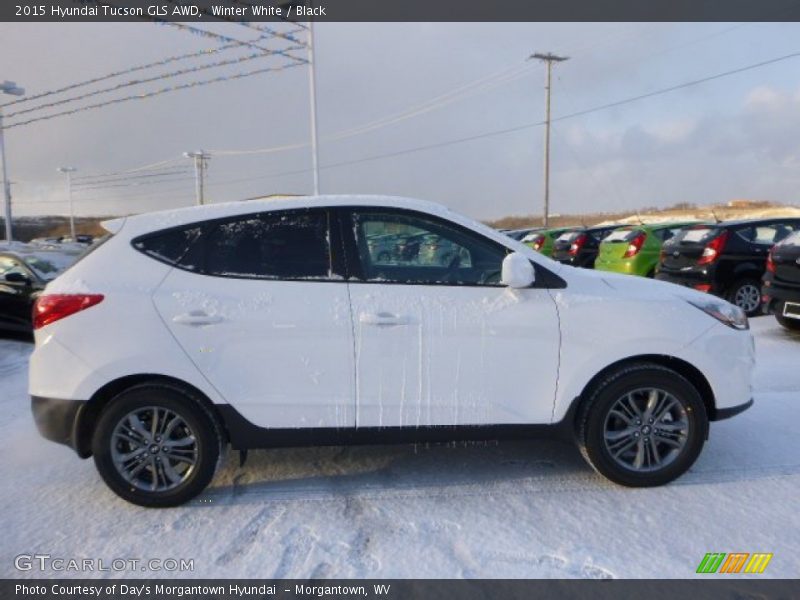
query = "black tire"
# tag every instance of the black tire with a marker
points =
(790, 324)
(735, 292)
(198, 425)
(595, 412)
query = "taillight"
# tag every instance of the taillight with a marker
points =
(537, 242)
(713, 249)
(577, 244)
(52, 307)
(770, 263)
(635, 245)
(703, 287)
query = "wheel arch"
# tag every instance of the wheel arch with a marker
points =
(680, 366)
(84, 428)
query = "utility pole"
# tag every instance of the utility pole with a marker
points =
(68, 171)
(312, 80)
(548, 59)
(200, 158)
(7, 87)
(312, 92)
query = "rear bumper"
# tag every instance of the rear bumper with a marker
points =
(57, 420)
(731, 411)
(690, 279)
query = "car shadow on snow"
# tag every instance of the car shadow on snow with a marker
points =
(399, 470)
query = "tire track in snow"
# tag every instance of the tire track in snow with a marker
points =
(247, 536)
(298, 545)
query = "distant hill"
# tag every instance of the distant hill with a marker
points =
(736, 209)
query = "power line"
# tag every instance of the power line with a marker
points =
(134, 69)
(185, 86)
(92, 179)
(107, 186)
(178, 73)
(507, 130)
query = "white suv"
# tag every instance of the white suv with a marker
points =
(269, 323)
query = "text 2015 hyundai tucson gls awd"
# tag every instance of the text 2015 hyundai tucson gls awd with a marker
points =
(271, 323)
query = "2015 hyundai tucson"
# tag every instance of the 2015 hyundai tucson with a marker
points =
(270, 323)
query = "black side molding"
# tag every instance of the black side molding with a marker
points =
(245, 435)
(727, 413)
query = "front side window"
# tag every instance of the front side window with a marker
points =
(399, 247)
(9, 265)
(288, 245)
(768, 234)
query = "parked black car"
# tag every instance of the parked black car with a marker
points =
(579, 247)
(726, 259)
(22, 278)
(781, 291)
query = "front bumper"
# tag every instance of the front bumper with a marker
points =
(57, 420)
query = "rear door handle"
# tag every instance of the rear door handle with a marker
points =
(383, 318)
(196, 318)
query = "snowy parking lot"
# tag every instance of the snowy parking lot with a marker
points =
(531, 509)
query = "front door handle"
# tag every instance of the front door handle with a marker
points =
(196, 318)
(383, 318)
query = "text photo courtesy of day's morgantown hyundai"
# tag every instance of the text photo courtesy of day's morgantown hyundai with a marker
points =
(402, 300)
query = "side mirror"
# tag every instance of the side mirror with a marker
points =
(17, 277)
(518, 271)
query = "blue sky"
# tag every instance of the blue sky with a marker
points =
(736, 137)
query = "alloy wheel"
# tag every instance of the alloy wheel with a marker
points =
(646, 430)
(154, 449)
(747, 297)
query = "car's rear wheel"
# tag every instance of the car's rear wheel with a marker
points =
(746, 294)
(155, 445)
(642, 425)
(788, 323)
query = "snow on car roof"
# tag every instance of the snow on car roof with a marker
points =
(146, 222)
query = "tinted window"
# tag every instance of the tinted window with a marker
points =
(767, 234)
(11, 265)
(622, 235)
(270, 245)
(403, 248)
(168, 246)
(695, 234)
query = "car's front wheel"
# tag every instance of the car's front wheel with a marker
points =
(155, 445)
(642, 425)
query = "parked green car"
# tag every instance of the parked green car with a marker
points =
(542, 240)
(635, 249)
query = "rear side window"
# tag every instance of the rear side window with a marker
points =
(767, 234)
(270, 246)
(169, 246)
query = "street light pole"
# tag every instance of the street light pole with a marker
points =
(548, 59)
(200, 158)
(7, 87)
(312, 92)
(68, 171)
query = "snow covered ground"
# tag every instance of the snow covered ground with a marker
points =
(529, 509)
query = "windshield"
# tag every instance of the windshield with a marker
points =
(694, 234)
(621, 235)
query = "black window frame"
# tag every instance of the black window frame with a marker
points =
(545, 279)
(336, 258)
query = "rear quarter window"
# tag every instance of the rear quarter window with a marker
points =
(169, 246)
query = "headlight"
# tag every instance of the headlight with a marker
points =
(724, 312)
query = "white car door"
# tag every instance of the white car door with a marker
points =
(255, 304)
(438, 340)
